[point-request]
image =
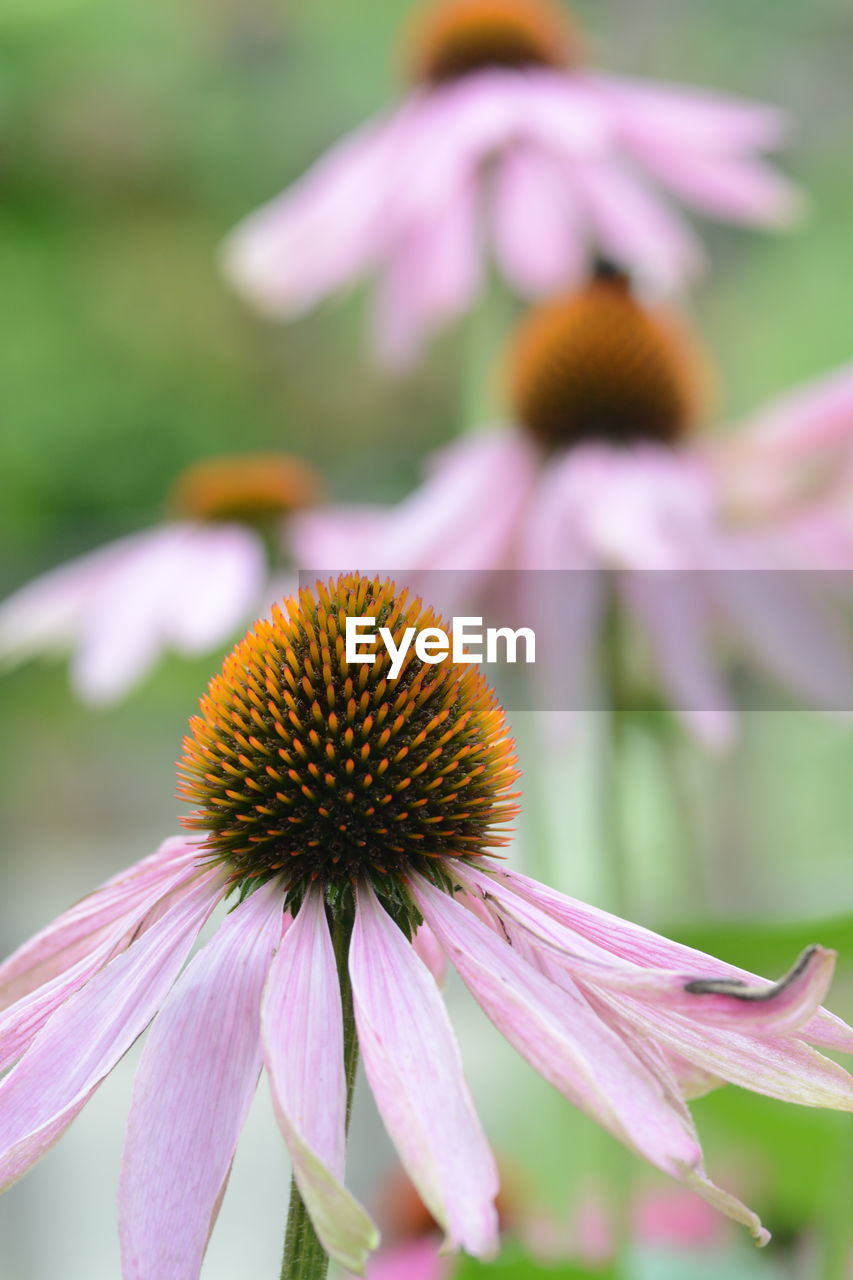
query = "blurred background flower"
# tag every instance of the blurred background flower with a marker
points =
(508, 144)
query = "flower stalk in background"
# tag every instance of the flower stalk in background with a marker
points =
(507, 139)
(188, 584)
(603, 475)
(342, 809)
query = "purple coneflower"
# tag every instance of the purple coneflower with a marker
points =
(603, 472)
(509, 139)
(341, 810)
(185, 585)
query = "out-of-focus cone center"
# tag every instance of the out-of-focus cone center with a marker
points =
(451, 38)
(600, 366)
(251, 488)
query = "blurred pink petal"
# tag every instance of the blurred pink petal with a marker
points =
(538, 231)
(413, 1260)
(302, 1032)
(422, 1098)
(633, 224)
(739, 189)
(191, 1094)
(692, 120)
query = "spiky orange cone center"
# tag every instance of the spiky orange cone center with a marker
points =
(318, 769)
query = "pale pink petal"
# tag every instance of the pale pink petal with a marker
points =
(221, 588)
(688, 119)
(83, 1041)
(645, 508)
(422, 1096)
(634, 225)
(462, 518)
(431, 275)
(538, 231)
(816, 418)
(337, 539)
(783, 618)
(303, 1047)
(737, 188)
(782, 1067)
(761, 1006)
(322, 232)
(123, 632)
(673, 610)
(191, 1094)
(77, 932)
(562, 1037)
(562, 594)
(651, 950)
(22, 1020)
(428, 949)
(47, 614)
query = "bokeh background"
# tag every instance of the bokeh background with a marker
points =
(133, 134)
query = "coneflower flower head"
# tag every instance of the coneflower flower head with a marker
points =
(323, 773)
(188, 584)
(506, 148)
(331, 881)
(605, 465)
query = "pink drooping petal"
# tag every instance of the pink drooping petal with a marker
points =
(633, 224)
(673, 611)
(651, 950)
(86, 1037)
(687, 119)
(321, 233)
(772, 1007)
(562, 1037)
(737, 188)
(303, 1048)
(221, 587)
(538, 230)
(782, 1067)
(72, 936)
(191, 1094)
(432, 274)
(22, 1020)
(414, 1068)
(428, 949)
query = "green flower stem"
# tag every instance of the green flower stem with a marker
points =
(614, 839)
(304, 1256)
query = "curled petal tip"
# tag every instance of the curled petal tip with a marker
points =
(785, 1005)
